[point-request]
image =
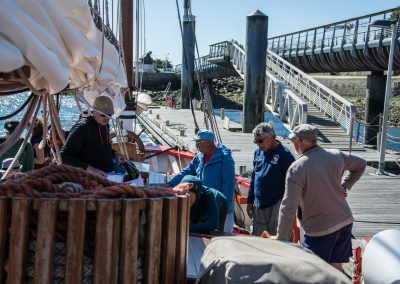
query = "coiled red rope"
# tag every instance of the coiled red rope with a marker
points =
(48, 182)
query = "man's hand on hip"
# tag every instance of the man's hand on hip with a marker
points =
(249, 210)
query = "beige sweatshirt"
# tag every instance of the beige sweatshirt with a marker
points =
(314, 182)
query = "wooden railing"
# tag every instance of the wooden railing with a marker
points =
(99, 241)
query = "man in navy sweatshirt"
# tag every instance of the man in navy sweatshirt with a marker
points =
(208, 206)
(267, 186)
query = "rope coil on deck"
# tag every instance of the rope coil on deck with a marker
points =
(62, 181)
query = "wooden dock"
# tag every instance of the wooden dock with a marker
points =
(375, 200)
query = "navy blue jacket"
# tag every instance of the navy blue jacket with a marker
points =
(206, 212)
(267, 184)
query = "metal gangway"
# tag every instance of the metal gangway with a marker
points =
(349, 45)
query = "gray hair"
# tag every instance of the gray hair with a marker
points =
(264, 127)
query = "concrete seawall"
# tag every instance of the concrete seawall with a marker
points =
(159, 81)
(353, 86)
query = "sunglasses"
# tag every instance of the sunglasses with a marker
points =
(258, 141)
(103, 115)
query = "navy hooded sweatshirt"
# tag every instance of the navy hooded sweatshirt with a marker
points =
(206, 212)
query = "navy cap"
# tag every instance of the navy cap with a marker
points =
(204, 135)
(11, 125)
(305, 131)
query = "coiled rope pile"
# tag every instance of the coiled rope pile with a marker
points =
(62, 181)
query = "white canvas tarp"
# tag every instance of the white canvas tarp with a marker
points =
(258, 260)
(60, 43)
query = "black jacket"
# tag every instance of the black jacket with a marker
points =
(88, 143)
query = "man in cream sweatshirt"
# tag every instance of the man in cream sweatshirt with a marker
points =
(317, 184)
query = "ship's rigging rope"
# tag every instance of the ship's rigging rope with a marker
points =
(21, 149)
(8, 116)
(209, 117)
(205, 93)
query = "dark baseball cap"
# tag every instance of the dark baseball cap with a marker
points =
(11, 125)
(305, 131)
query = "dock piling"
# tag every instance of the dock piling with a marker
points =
(254, 83)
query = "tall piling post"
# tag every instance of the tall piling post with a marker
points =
(188, 44)
(374, 102)
(254, 79)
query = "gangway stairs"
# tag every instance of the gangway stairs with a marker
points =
(293, 96)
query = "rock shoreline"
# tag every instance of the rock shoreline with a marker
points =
(228, 93)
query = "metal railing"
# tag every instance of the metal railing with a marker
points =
(229, 51)
(279, 99)
(326, 100)
(338, 33)
(354, 36)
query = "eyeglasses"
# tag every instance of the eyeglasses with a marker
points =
(258, 141)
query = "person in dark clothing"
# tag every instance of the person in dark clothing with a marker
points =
(267, 185)
(88, 145)
(26, 158)
(208, 206)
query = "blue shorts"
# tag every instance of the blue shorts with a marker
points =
(334, 247)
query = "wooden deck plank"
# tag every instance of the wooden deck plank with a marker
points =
(196, 250)
(130, 240)
(168, 245)
(104, 239)
(181, 241)
(75, 241)
(44, 254)
(154, 216)
(3, 234)
(18, 240)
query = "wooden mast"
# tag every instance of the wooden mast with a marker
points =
(127, 45)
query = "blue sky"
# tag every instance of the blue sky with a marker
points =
(219, 20)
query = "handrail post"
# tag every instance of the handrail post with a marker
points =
(351, 132)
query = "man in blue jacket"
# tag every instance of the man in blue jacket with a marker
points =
(214, 166)
(267, 185)
(207, 206)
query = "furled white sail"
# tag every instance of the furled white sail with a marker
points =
(60, 43)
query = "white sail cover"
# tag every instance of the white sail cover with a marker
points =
(257, 260)
(60, 43)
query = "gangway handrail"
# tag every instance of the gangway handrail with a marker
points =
(339, 46)
(317, 83)
(328, 102)
(337, 23)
